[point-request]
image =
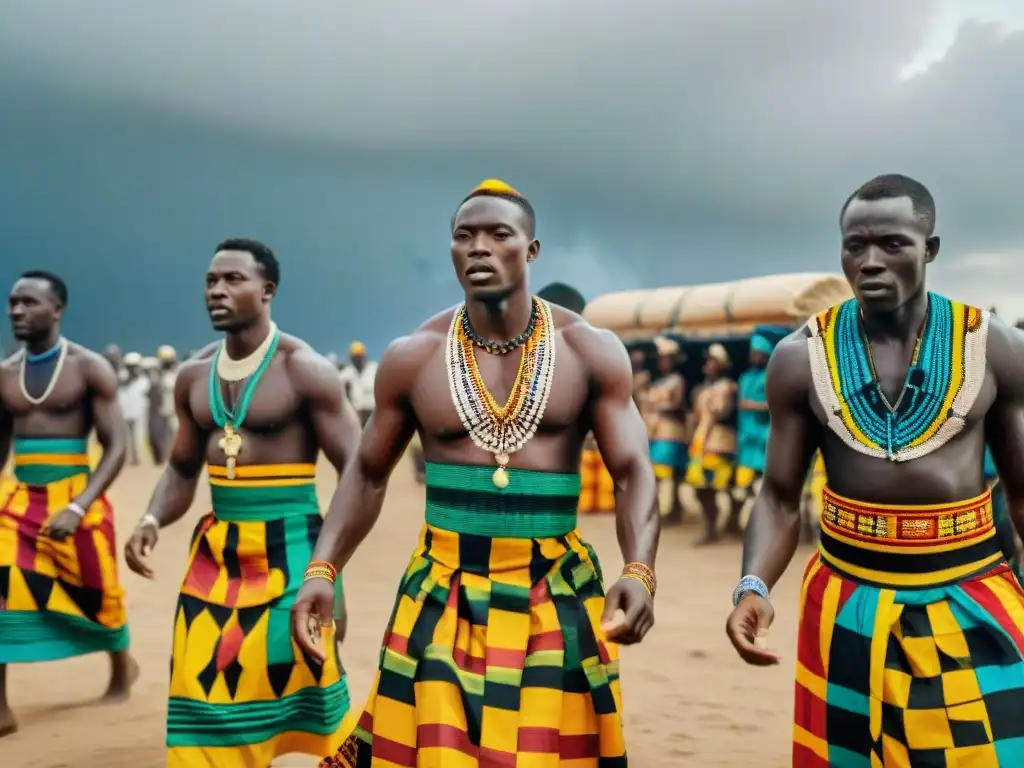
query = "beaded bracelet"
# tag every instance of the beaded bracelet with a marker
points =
(643, 574)
(321, 569)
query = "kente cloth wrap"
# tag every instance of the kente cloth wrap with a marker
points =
(712, 471)
(941, 386)
(494, 654)
(597, 489)
(58, 599)
(668, 457)
(911, 641)
(242, 691)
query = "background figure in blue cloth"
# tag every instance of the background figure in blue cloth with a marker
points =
(1001, 513)
(752, 421)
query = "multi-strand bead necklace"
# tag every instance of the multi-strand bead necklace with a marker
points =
(502, 430)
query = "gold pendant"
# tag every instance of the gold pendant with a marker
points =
(231, 444)
(500, 477)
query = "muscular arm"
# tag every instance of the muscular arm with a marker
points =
(1004, 423)
(6, 433)
(109, 424)
(335, 422)
(622, 440)
(674, 401)
(357, 501)
(774, 528)
(177, 485)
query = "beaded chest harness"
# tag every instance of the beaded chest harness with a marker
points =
(943, 381)
(502, 430)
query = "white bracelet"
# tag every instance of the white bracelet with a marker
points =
(148, 521)
(75, 507)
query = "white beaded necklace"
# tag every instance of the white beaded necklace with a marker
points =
(237, 370)
(504, 431)
(62, 356)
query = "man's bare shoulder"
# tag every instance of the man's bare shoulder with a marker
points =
(193, 368)
(406, 355)
(789, 367)
(601, 350)
(1005, 355)
(305, 364)
(92, 365)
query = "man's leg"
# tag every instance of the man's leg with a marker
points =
(124, 670)
(8, 724)
(133, 452)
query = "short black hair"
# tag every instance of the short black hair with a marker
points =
(522, 202)
(262, 254)
(58, 287)
(893, 185)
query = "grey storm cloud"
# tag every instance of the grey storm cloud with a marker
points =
(706, 139)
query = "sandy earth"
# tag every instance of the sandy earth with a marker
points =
(689, 701)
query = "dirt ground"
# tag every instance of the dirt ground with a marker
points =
(689, 701)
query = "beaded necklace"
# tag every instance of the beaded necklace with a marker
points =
(943, 380)
(495, 347)
(502, 430)
(60, 350)
(230, 419)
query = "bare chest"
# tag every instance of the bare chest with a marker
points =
(57, 393)
(270, 406)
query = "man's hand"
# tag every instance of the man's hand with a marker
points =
(140, 546)
(312, 612)
(747, 628)
(63, 525)
(628, 612)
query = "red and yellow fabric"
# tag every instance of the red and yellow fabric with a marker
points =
(58, 599)
(597, 489)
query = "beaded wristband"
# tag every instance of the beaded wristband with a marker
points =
(643, 574)
(321, 569)
(749, 585)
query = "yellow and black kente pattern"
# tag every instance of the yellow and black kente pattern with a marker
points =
(58, 599)
(597, 488)
(494, 654)
(242, 691)
(911, 641)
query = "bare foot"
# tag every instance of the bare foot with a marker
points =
(121, 689)
(706, 540)
(8, 724)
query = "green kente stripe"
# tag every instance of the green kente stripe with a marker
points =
(235, 503)
(218, 408)
(44, 474)
(71, 446)
(534, 505)
(30, 636)
(464, 477)
(500, 525)
(311, 710)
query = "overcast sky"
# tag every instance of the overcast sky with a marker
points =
(662, 142)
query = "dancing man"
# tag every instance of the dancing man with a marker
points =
(499, 643)
(665, 401)
(256, 409)
(59, 590)
(911, 634)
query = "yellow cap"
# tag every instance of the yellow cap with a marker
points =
(357, 348)
(494, 187)
(166, 353)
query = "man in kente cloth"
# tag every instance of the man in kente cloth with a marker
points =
(60, 595)
(911, 633)
(502, 646)
(665, 404)
(752, 419)
(713, 443)
(256, 409)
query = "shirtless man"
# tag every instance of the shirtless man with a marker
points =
(501, 580)
(275, 405)
(59, 591)
(664, 406)
(713, 443)
(911, 644)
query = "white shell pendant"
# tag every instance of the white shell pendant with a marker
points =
(500, 477)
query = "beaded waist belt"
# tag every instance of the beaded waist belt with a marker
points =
(906, 547)
(258, 493)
